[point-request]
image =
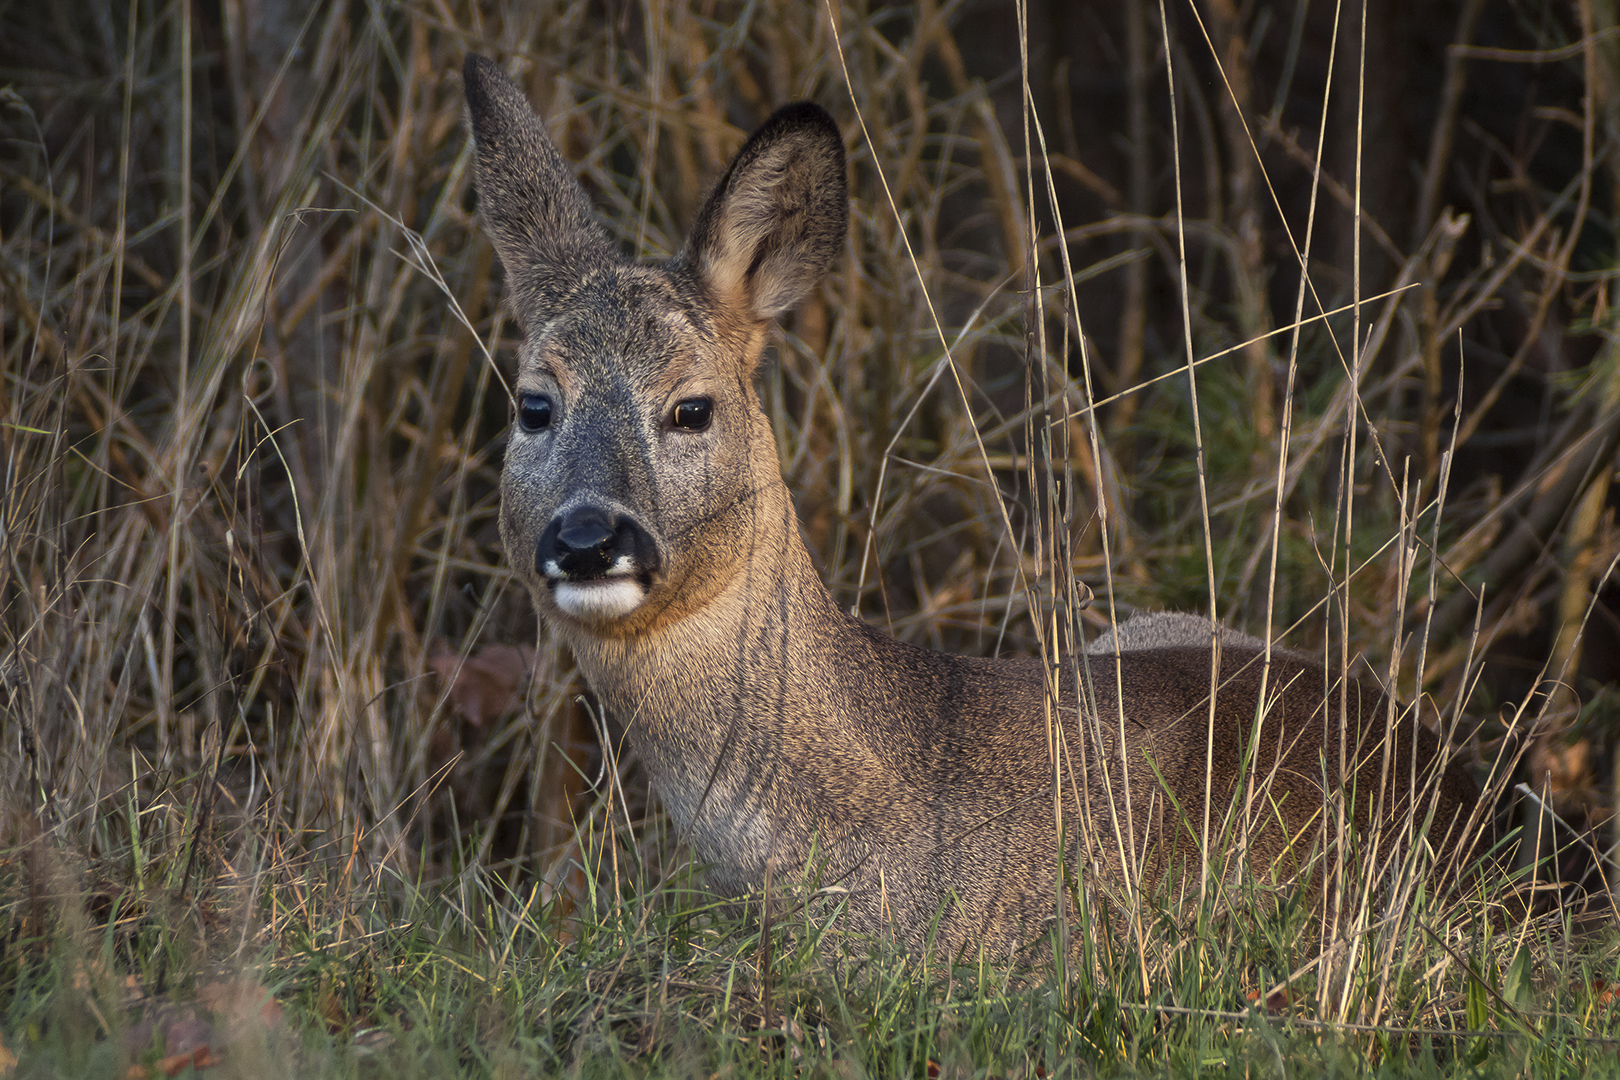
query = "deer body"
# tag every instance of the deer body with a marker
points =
(643, 504)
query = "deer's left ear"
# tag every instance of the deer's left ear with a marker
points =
(775, 223)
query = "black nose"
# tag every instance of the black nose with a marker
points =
(588, 541)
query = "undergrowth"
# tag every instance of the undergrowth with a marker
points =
(292, 786)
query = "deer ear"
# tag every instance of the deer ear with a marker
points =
(540, 219)
(776, 221)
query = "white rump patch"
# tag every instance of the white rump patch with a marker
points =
(601, 599)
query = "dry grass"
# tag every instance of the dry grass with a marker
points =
(253, 401)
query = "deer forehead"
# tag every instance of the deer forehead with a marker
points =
(634, 324)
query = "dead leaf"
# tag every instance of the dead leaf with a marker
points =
(198, 1034)
(485, 685)
(198, 1058)
(1277, 1001)
(240, 1004)
(1564, 770)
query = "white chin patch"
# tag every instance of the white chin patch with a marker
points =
(599, 600)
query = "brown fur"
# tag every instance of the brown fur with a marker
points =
(789, 739)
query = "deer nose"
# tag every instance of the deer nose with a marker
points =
(589, 542)
(584, 533)
(578, 544)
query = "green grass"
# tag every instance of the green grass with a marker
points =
(251, 418)
(466, 978)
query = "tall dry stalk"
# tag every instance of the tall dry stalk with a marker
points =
(254, 390)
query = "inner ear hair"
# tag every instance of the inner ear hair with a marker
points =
(777, 220)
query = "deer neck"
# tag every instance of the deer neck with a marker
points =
(771, 614)
(727, 702)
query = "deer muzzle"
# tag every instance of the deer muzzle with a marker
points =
(598, 563)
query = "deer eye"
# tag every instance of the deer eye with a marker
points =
(534, 412)
(692, 414)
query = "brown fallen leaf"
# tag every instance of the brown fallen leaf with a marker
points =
(1564, 770)
(198, 1034)
(485, 685)
(240, 1004)
(199, 1058)
(1277, 1001)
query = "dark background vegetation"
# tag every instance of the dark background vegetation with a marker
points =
(253, 600)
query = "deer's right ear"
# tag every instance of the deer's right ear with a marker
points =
(541, 221)
(778, 218)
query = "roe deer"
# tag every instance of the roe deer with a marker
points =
(643, 504)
